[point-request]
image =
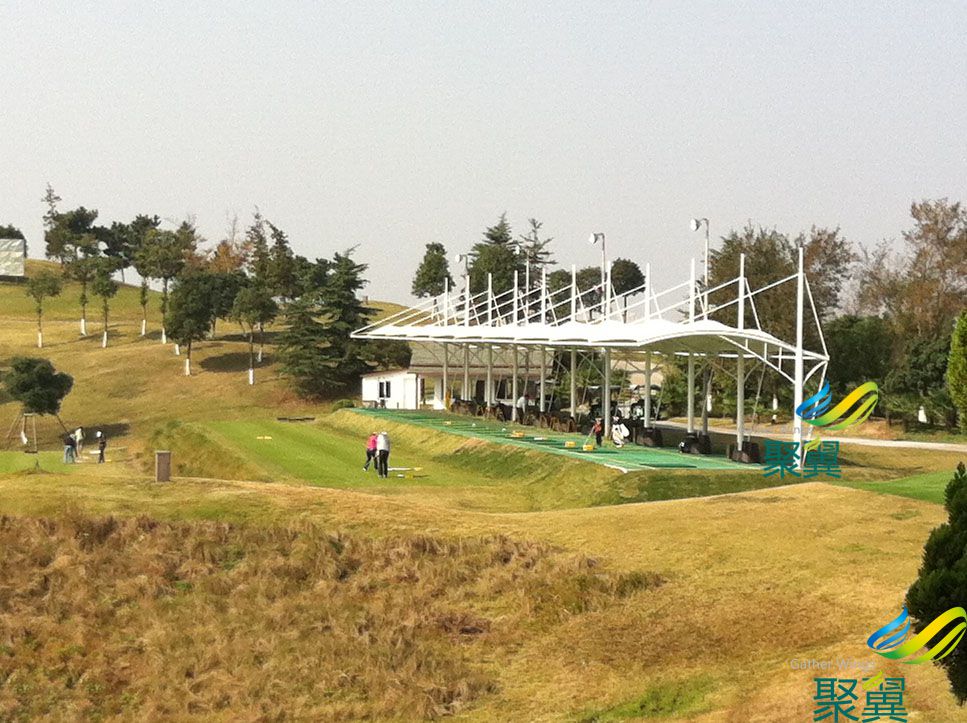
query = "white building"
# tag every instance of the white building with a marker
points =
(420, 386)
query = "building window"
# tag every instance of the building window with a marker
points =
(384, 390)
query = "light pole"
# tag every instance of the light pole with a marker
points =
(707, 373)
(593, 239)
(465, 260)
(696, 225)
(522, 250)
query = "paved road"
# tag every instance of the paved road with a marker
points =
(780, 432)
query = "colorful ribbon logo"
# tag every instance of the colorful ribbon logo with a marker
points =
(816, 411)
(887, 641)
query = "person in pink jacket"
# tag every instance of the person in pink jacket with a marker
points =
(370, 451)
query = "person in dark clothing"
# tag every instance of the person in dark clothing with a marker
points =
(598, 430)
(69, 453)
(382, 454)
(101, 446)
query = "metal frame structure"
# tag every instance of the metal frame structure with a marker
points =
(575, 319)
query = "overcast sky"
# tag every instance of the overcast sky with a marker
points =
(391, 125)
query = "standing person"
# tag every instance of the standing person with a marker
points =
(382, 452)
(522, 408)
(371, 453)
(101, 446)
(598, 430)
(68, 448)
(78, 443)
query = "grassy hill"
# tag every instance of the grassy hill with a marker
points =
(274, 578)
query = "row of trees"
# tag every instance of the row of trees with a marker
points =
(888, 313)
(251, 277)
(500, 255)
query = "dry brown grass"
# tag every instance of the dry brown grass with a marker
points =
(133, 617)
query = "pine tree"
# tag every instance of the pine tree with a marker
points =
(942, 582)
(497, 256)
(305, 353)
(282, 269)
(344, 314)
(957, 370)
(259, 260)
(433, 274)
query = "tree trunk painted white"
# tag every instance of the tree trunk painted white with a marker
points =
(260, 353)
(187, 366)
(251, 376)
(40, 340)
(104, 340)
(144, 327)
(164, 336)
(83, 326)
(177, 350)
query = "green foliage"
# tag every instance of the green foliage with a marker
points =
(433, 274)
(259, 261)
(388, 353)
(103, 285)
(122, 240)
(163, 255)
(534, 248)
(942, 581)
(253, 306)
(225, 287)
(37, 385)
(625, 276)
(918, 378)
(860, 350)
(282, 265)
(316, 350)
(957, 370)
(190, 313)
(343, 404)
(305, 354)
(495, 255)
(42, 286)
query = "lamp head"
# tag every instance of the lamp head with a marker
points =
(696, 224)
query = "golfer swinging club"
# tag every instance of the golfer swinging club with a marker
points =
(382, 454)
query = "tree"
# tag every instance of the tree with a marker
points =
(53, 238)
(534, 248)
(344, 313)
(259, 261)
(104, 286)
(81, 268)
(497, 256)
(122, 240)
(860, 349)
(316, 348)
(10, 231)
(433, 274)
(225, 286)
(37, 385)
(942, 581)
(253, 308)
(957, 370)
(305, 353)
(39, 287)
(189, 316)
(163, 255)
(626, 276)
(282, 268)
(230, 254)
